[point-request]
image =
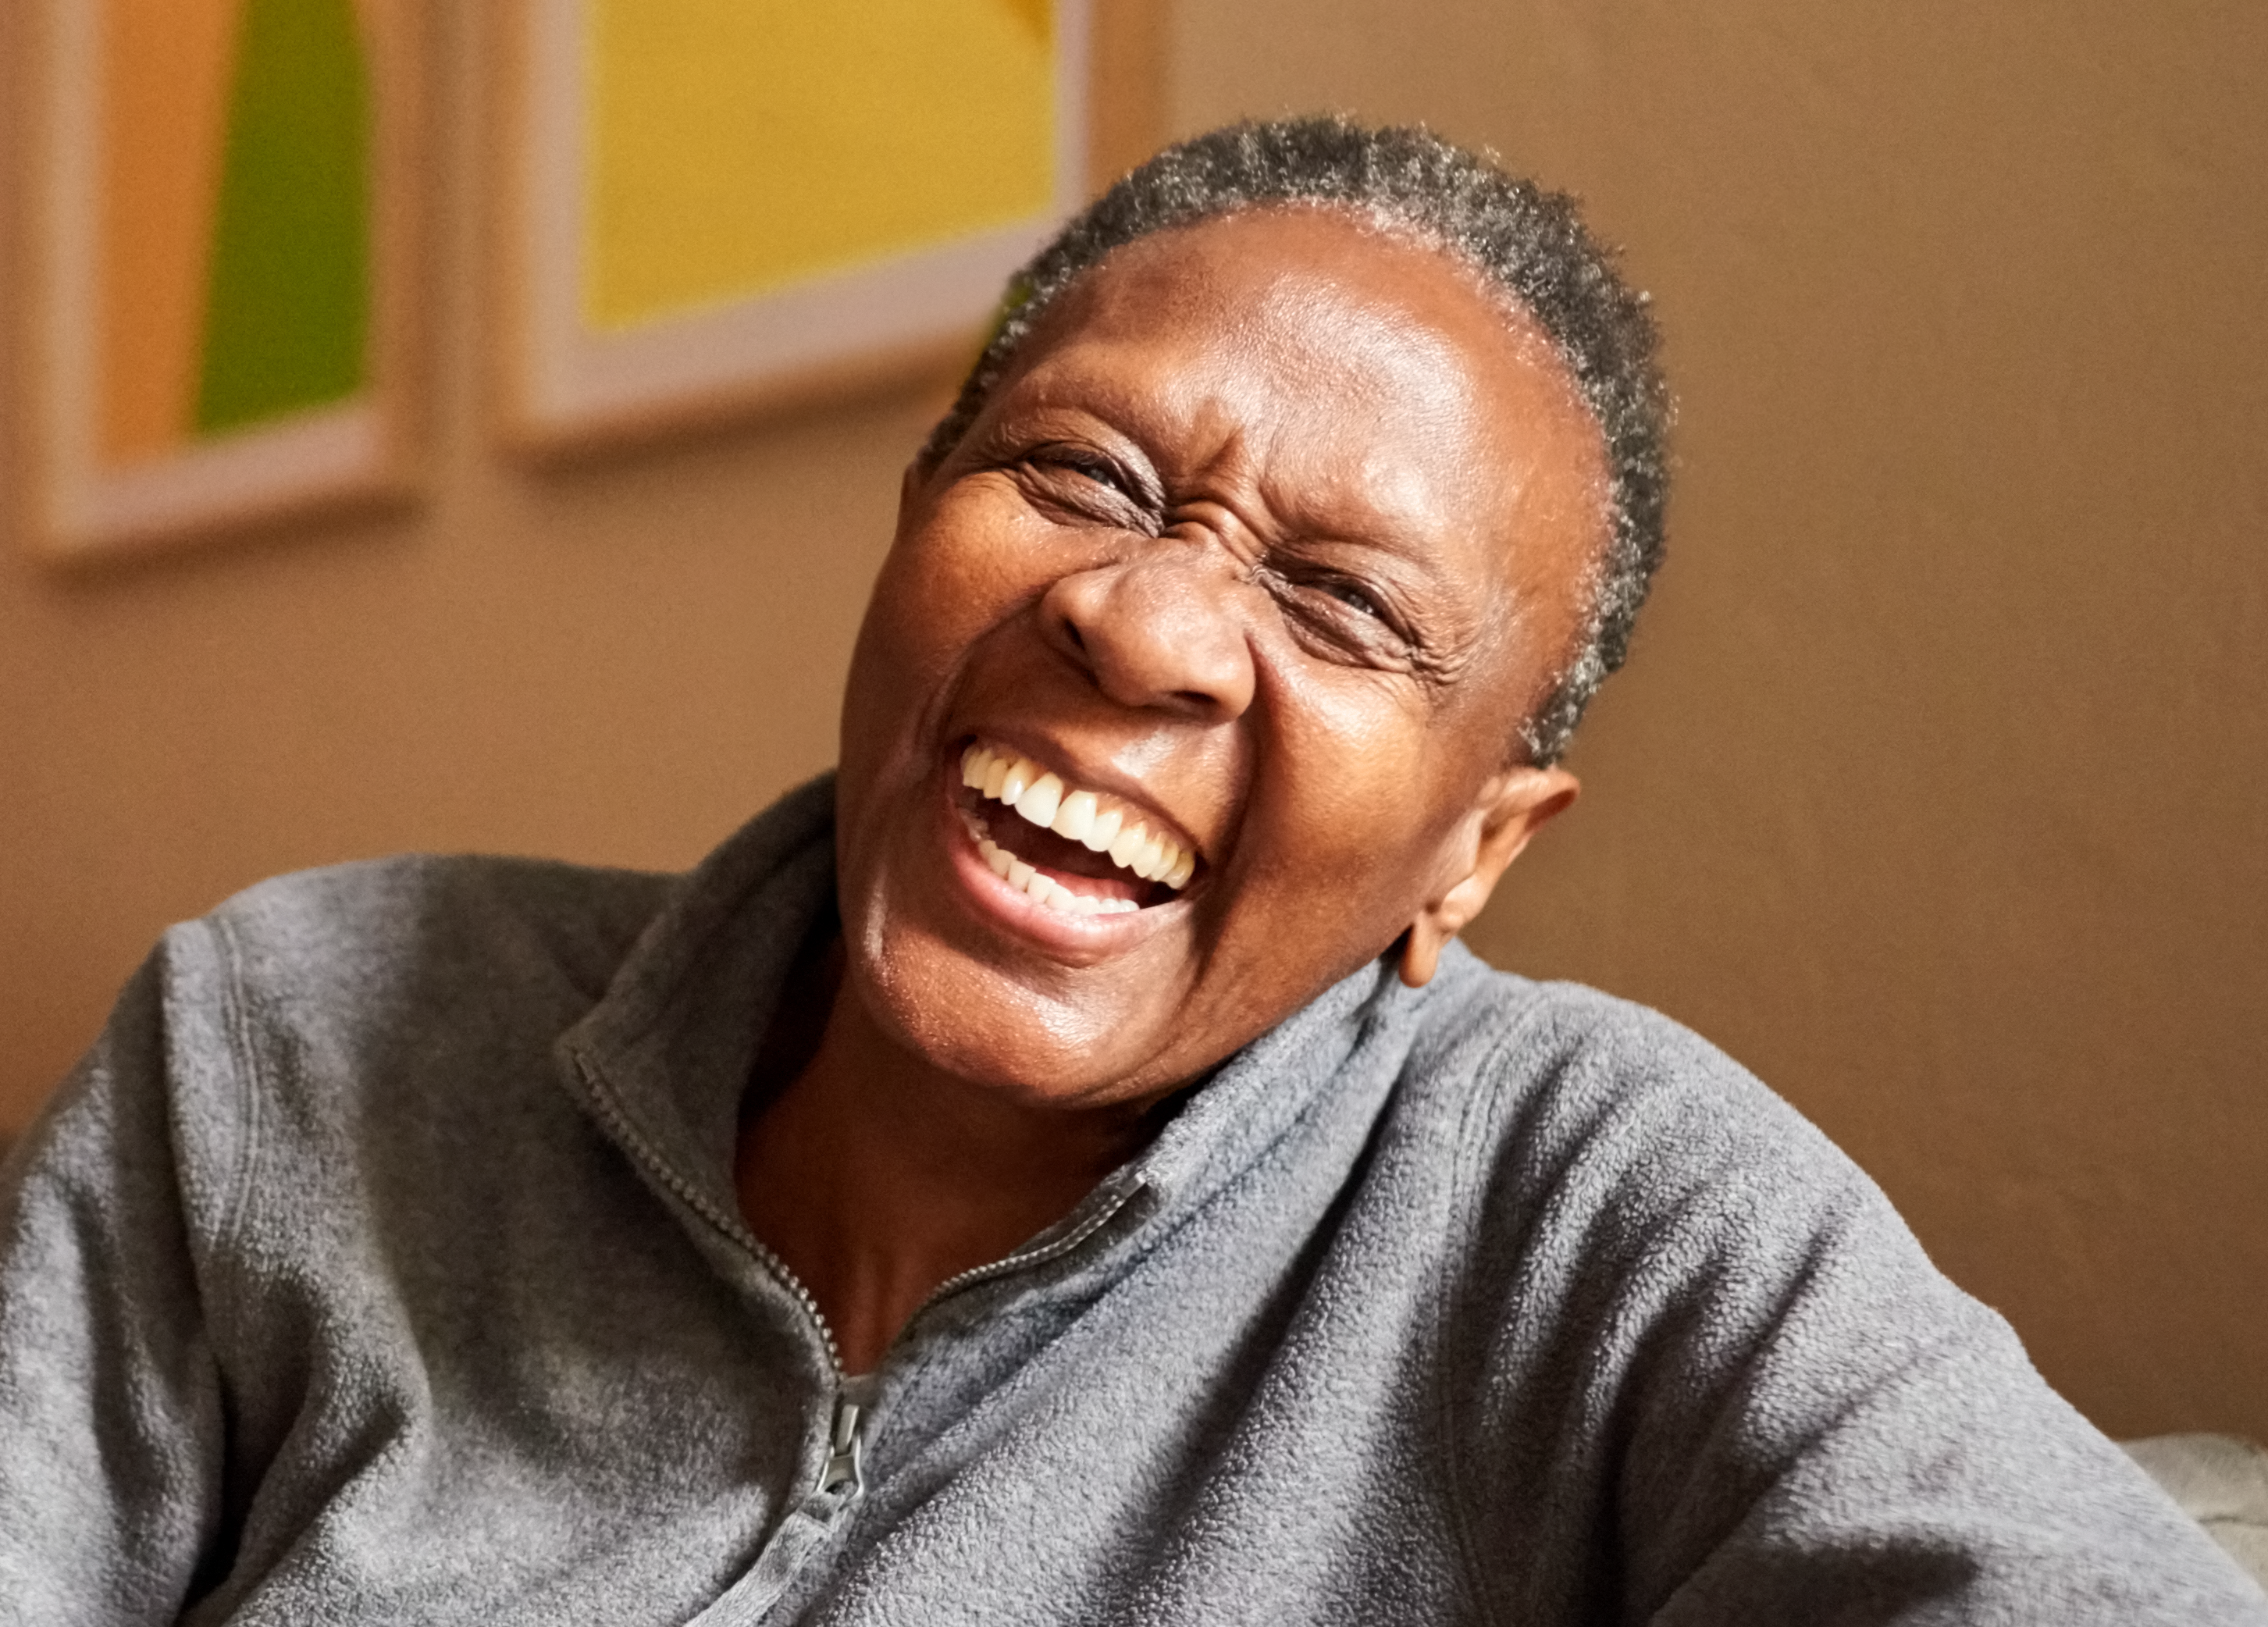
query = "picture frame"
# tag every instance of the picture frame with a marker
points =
(640, 302)
(224, 226)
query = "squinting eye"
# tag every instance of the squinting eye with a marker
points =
(1105, 476)
(1358, 598)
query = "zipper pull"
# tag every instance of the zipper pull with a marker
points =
(846, 1470)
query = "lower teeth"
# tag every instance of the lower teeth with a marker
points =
(1045, 889)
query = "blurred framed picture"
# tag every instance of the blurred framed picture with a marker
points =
(719, 206)
(224, 263)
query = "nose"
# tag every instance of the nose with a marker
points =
(1158, 632)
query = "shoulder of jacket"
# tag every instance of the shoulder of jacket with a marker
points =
(1559, 1076)
(1620, 1165)
(373, 907)
(306, 1009)
(1488, 1024)
(355, 944)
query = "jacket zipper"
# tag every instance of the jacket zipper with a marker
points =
(731, 1225)
(844, 1468)
(844, 1465)
(1039, 1254)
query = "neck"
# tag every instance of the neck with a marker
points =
(876, 1177)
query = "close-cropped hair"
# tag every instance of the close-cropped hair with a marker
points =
(1524, 242)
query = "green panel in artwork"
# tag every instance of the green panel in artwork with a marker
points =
(287, 320)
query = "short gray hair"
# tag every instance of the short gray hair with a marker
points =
(1524, 242)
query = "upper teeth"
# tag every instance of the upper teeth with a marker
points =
(1088, 817)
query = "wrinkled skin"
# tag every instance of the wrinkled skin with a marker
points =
(1277, 528)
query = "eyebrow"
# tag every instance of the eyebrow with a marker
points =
(1107, 408)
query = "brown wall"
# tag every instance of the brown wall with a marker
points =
(1935, 790)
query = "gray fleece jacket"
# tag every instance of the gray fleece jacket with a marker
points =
(382, 1264)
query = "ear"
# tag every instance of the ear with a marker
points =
(1511, 807)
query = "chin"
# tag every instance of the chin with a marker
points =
(982, 1024)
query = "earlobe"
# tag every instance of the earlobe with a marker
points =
(1514, 806)
(1420, 954)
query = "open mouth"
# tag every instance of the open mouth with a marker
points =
(1080, 852)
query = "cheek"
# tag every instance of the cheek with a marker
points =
(925, 608)
(936, 597)
(1353, 812)
(974, 559)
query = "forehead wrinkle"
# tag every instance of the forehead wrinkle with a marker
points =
(1385, 358)
(1382, 351)
(1363, 496)
(1131, 301)
(1197, 407)
(1137, 299)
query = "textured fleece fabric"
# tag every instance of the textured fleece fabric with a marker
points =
(382, 1264)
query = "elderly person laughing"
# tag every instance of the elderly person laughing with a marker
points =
(1061, 1167)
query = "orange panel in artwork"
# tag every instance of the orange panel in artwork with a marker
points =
(164, 89)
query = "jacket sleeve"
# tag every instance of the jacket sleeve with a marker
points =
(1719, 1381)
(111, 1433)
(1877, 1447)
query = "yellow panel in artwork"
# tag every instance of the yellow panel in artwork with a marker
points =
(736, 146)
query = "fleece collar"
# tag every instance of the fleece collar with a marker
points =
(662, 1060)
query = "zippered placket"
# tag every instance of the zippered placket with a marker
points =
(731, 1225)
(1040, 1254)
(844, 1468)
